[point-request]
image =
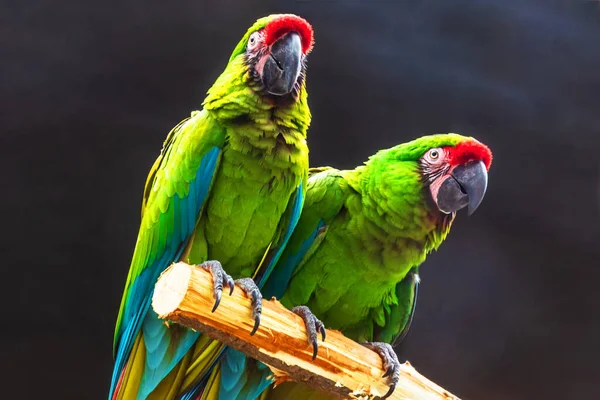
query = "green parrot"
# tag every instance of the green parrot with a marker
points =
(352, 261)
(227, 187)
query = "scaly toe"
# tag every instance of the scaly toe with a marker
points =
(249, 287)
(220, 278)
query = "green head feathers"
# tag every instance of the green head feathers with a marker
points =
(277, 24)
(416, 149)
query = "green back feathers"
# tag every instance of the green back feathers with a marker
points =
(414, 150)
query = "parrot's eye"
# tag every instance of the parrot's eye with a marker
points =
(434, 155)
(253, 41)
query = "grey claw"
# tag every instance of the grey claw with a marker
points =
(256, 325)
(231, 284)
(249, 287)
(220, 279)
(389, 371)
(218, 300)
(313, 325)
(390, 364)
(390, 391)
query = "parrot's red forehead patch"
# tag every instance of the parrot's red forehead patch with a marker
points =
(470, 150)
(286, 23)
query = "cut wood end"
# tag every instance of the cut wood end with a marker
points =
(171, 288)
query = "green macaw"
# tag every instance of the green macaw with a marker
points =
(352, 261)
(227, 187)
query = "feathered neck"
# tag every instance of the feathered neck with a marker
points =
(237, 96)
(396, 204)
(273, 130)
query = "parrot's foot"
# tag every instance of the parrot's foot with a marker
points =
(251, 290)
(220, 279)
(390, 363)
(313, 326)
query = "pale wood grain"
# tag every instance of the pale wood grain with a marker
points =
(183, 294)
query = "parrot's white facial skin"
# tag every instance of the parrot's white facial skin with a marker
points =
(435, 165)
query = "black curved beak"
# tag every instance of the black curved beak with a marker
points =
(282, 67)
(465, 187)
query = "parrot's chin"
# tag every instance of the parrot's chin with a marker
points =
(282, 66)
(464, 186)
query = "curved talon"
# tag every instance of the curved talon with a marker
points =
(256, 325)
(390, 364)
(220, 279)
(389, 392)
(321, 328)
(217, 301)
(389, 371)
(231, 284)
(256, 313)
(249, 287)
(313, 326)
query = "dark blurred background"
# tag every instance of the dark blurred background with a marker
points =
(508, 308)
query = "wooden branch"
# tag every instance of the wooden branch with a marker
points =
(183, 294)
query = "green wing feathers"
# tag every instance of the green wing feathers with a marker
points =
(398, 316)
(159, 162)
(175, 192)
(171, 174)
(325, 195)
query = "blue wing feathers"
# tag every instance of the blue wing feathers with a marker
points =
(294, 218)
(161, 361)
(165, 250)
(234, 363)
(278, 283)
(237, 382)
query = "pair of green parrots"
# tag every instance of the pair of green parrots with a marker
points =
(231, 191)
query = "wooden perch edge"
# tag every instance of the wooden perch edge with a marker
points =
(183, 294)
